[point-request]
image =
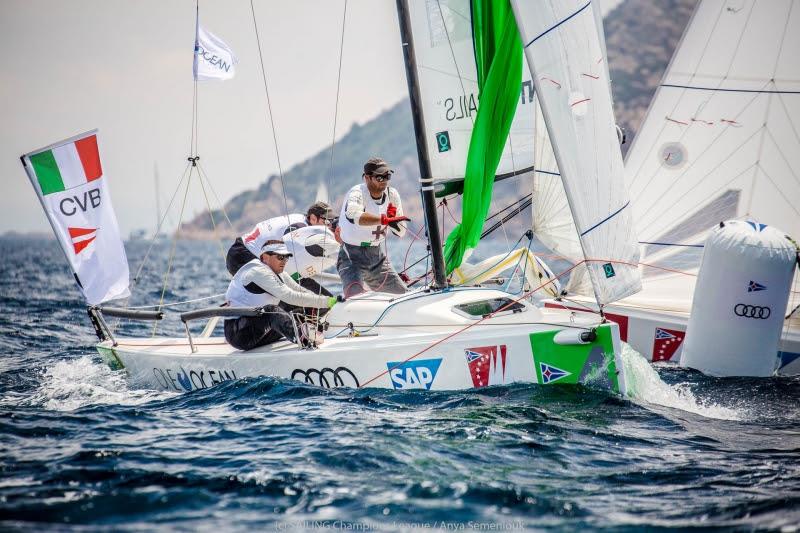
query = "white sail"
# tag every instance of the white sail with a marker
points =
(721, 140)
(448, 82)
(563, 50)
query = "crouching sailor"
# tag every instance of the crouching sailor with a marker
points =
(247, 247)
(263, 283)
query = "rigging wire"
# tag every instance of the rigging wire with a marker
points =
(269, 109)
(172, 251)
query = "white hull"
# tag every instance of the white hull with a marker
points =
(418, 343)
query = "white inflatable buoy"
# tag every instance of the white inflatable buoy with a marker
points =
(740, 301)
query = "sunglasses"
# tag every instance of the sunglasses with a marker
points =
(280, 257)
(381, 178)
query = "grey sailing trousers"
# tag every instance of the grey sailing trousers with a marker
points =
(367, 265)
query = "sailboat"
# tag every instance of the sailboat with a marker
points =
(719, 142)
(442, 336)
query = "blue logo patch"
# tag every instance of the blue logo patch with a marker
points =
(414, 374)
(551, 373)
(755, 287)
(757, 226)
(183, 379)
(662, 334)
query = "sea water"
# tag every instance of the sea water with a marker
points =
(82, 449)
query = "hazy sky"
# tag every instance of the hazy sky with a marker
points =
(124, 67)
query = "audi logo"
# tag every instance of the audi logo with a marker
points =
(752, 311)
(327, 377)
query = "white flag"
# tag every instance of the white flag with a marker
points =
(69, 181)
(213, 59)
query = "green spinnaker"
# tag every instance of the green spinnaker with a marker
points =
(498, 55)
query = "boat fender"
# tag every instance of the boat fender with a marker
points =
(571, 337)
(740, 300)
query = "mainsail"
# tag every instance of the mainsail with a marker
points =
(564, 51)
(720, 139)
(448, 81)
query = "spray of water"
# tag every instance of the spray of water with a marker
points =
(75, 383)
(645, 386)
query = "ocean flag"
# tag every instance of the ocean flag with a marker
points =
(213, 58)
(68, 179)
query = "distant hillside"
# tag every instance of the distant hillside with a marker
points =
(640, 36)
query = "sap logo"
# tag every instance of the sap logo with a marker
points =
(414, 374)
(70, 205)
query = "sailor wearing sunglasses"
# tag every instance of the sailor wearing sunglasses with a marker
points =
(263, 283)
(370, 209)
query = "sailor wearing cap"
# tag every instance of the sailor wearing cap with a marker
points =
(263, 283)
(370, 209)
(248, 246)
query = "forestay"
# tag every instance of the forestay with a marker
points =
(448, 81)
(564, 51)
(720, 140)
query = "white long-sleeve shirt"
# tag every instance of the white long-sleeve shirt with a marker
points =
(357, 202)
(257, 285)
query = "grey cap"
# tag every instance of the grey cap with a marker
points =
(377, 167)
(279, 249)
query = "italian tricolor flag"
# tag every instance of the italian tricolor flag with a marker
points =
(67, 166)
(69, 182)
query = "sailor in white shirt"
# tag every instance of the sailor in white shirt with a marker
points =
(248, 246)
(263, 283)
(370, 209)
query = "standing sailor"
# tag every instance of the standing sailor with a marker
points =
(248, 246)
(262, 283)
(368, 211)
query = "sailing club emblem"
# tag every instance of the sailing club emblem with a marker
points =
(487, 365)
(754, 286)
(666, 343)
(81, 238)
(551, 373)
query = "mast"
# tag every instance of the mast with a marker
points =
(425, 178)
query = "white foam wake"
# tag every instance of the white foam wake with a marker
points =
(645, 385)
(69, 385)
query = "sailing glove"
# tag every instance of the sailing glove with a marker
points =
(392, 221)
(333, 300)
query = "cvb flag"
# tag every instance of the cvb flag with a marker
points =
(68, 179)
(213, 58)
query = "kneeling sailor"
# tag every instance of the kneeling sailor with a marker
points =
(263, 283)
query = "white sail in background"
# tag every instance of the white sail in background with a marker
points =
(721, 139)
(563, 50)
(446, 68)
